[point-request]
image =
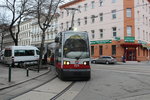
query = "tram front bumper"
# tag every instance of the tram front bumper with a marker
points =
(76, 73)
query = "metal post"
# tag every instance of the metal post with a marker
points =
(73, 14)
(27, 72)
(9, 75)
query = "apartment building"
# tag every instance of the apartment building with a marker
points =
(24, 37)
(116, 27)
(50, 33)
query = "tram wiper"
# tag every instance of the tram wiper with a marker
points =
(78, 58)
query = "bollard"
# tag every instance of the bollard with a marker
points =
(27, 72)
(9, 76)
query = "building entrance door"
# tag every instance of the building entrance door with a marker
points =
(131, 54)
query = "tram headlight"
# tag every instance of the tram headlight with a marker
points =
(86, 63)
(66, 62)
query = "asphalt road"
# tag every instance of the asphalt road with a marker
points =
(129, 81)
(117, 82)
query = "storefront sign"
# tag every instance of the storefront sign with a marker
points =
(141, 42)
(129, 39)
(117, 38)
(101, 42)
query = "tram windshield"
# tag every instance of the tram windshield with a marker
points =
(76, 45)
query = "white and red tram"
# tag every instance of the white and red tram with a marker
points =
(72, 55)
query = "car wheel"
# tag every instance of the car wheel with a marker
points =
(107, 62)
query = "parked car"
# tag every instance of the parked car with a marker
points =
(105, 59)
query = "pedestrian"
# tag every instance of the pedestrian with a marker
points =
(123, 59)
(45, 58)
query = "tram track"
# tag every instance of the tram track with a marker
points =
(63, 91)
(7, 93)
(51, 90)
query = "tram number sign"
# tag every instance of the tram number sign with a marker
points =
(76, 64)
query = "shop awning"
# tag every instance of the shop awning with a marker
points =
(130, 45)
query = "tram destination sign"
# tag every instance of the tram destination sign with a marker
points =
(101, 42)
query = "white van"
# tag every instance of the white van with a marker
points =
(2, 56)
(21, 54)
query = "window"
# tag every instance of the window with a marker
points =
(37, 52)
(129, 30)
(113, 1)
(113, 50)
(24, 52)
(92, 4)
(67, 24)
(147, 36)
(61, 25)
(146, 21)
(79, 9)
(113, 14)
(138, 14)
(85, 7)
(128, 12)
(92, 50)
(143, 35)
(93, 18)
(101, 16)
(114, 30)
(101, 33)
(100, 50)
(7, 53)
(100, 2)
(67, 12)
(143, 19)
(93, 35)
(85, 20)
(138, 33)
(78, 21)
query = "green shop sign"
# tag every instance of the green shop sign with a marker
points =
(117, 38)
(141, 42)
(101, 42)
(129, 39)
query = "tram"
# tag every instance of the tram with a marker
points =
(72, 55)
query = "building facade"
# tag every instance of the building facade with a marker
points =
(24, 37)
(116, 27)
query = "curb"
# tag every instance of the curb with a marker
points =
(24, 81)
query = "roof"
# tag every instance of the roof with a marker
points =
(21, 47)
(70, 3)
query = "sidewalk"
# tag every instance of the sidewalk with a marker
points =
(18, 75)
(134, 62)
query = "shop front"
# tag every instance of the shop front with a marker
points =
(130, 51)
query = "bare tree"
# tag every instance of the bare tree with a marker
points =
(3, 27)
(17, 9)
(45, 11)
